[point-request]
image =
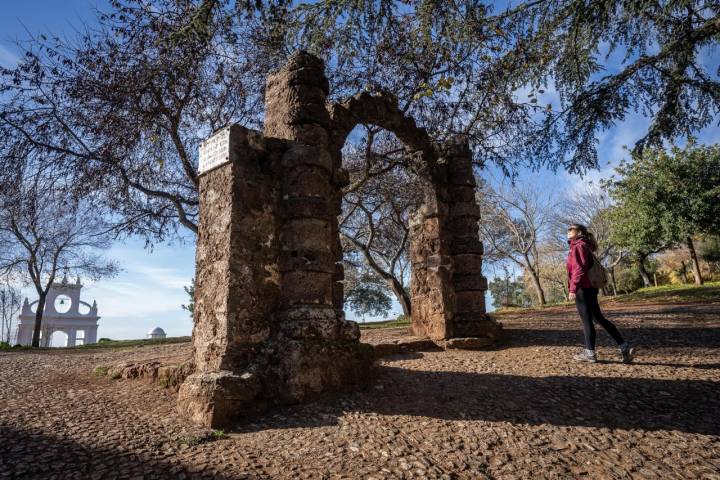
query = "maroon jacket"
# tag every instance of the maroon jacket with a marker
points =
(579, 262)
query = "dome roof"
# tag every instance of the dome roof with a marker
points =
(156, 331)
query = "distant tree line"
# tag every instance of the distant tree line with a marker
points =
(656, 221)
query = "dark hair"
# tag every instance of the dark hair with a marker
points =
(585, 233)
(579, 227)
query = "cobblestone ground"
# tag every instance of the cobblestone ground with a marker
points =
(523, 410)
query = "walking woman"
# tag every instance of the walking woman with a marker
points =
(580, 259)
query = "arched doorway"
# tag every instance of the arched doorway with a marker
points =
(57, 339)
(447, 286)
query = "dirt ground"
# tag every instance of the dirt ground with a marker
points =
(522, 410)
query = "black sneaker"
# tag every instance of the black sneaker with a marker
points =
(628, 352)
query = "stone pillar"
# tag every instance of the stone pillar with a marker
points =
(90, 335)
(471, 327)
(237, 282)
(433, 299)
(71, 337)
(322, 349)
(267, 330)
(447, 286)
(24, 334)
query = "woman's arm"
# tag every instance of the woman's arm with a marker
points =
(580, 256)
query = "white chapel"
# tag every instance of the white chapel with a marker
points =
(64, 312)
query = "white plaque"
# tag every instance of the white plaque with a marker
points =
(215, 151)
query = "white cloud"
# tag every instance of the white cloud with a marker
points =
(7, 57)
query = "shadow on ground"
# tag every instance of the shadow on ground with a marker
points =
(623, 401)
(29, 455)
(626, 403)
(643, 336)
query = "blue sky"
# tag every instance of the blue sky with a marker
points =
(148, 292)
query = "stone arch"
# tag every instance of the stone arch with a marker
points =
(269, 325)
(446, 254)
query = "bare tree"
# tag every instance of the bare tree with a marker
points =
(377, 204)
(124, 107)
(590, 206)
(515, 221)
(553, 272)
(45, 229)
(9, 308)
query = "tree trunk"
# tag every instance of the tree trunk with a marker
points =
(538, 287)
(684, 271)
(402, 296)
(38, 319)
(612, 281)
(643, 272)
(695, 263)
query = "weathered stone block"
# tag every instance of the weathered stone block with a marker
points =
(472, 282)
(307, 207)
(476, 324)
(298, 105)
(459, 167)
(467, 263)
(469, 244)
(470, 301)
(307, 260)
(301, 69)
(461, 193)
(463, 226)
(306, 234)
(465, 209)
(302, 287)
(215, 399)
(307, 181)
(307, 155)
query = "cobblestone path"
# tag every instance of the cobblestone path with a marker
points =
(522, 410)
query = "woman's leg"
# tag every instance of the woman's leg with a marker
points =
(586, 317)
(591, 299)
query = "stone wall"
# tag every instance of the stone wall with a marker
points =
(267, 327)
(471, 327)
(447, 286)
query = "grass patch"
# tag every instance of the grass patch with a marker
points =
(101, 371)
(709, 292)
(401, 321)
(107, 343)
(504, 310)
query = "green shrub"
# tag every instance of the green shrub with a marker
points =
(5, 346)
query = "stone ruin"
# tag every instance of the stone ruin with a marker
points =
(269, 322)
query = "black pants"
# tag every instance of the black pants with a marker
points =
(589, 309)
